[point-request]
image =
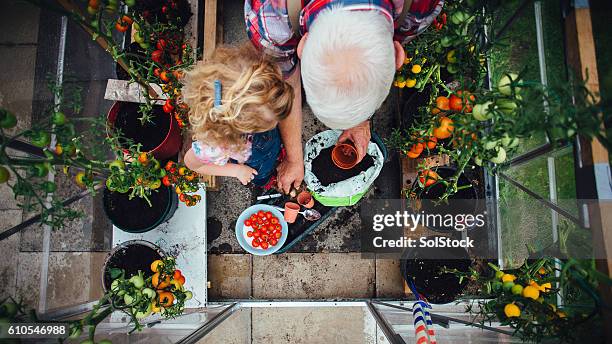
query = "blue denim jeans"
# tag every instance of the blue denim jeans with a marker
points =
(266, 148)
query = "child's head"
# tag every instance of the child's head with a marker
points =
(254, 96)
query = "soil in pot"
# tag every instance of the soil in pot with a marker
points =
(424, 267)
(151, 134)
(131, 258)
(328, 173)
(464, 202)
(136, 215)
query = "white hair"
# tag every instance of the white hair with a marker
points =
(348, 65)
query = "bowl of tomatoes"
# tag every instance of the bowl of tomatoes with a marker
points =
(261, 229)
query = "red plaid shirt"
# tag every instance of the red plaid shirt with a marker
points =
(269, 26)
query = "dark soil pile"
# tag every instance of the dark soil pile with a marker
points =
(421, 266)
(151, 134)
(131, 259)
(328, 173)
(136, 215)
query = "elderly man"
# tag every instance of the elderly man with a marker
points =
(349, 51)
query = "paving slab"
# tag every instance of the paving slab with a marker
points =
(18, 23)
(389, 280)
(234, 330)
(313, 276)
(313, 325)
(230, 276)
(10, 253)
(17, 86)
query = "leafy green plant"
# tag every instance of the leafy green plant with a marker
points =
(527, 299)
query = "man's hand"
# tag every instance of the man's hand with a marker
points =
(290, 174)
(360, 136)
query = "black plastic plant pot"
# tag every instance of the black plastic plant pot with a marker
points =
(131, 256)
(464, 202)
(423, 267)
(136, 215)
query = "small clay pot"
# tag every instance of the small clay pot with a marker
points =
(291, 211)
(344, 156)
(305, 199)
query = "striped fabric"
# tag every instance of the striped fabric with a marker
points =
(269, 28)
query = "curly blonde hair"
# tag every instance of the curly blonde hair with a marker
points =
(254, 96)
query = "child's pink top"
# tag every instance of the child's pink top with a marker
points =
(219, 155)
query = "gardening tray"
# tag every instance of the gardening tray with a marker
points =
(301, 227)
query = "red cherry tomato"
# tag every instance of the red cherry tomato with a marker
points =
(264, 245)
(278, 227)
(256, 234)
(260, 213)
(247, 223)
(255, 243)
(273, 242)
(277, 235)
(274, 220)
(268, 215)
(250, 234)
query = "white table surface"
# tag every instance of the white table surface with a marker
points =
(183, 236)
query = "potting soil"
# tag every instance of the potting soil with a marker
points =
(151, 134)
(131, 259)
(328, 173)
(135, 214)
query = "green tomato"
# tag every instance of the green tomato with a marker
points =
(137, 281)
(497, 285)
(58, 118)
(4, 174)
(188, 295)
(452, 68)
(508, 285)
(41, 139)
(488, 145)
(499, 274)
(504, 84)
(145, 45)
(143, 314)
(148, 292)
(9, 309)
(40, 169)
(49, 187)
(118, 164)
(128, 299)
(138, 37)
(506, 106)
(517, 289)
(482, 112)
(500, 157)
(7, 119)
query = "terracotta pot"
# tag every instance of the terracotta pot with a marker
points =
(291, 211)
(172, 142)
(344, 156)
(305, 199)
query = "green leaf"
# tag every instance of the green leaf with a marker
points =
(115, 273)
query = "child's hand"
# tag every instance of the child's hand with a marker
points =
(245, 174)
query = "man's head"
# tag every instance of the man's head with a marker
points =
(348, 63)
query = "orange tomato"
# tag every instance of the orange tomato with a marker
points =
(468, 100)
(127, 20)
(143, 158)
(166, 298)
(435, 111)
(415, 150)
(164, 76)
(428, 177)
(445, 130)
(121, 26)
(160, 284)
(455, 103)
(431, 142)
(443, 103)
